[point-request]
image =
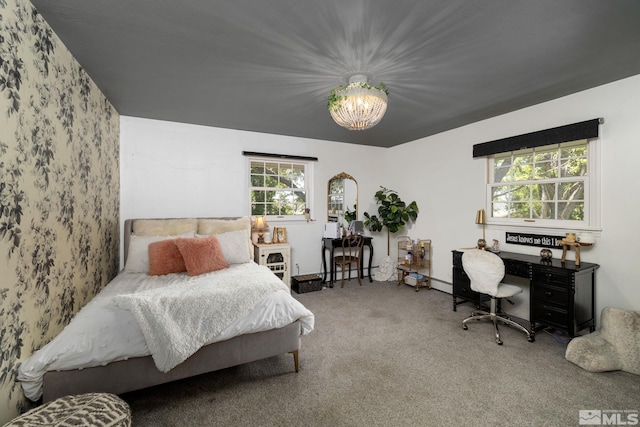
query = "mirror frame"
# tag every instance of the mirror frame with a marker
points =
(343, 176)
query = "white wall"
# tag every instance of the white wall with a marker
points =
(451, 187)
(178, 170)
(172, 169)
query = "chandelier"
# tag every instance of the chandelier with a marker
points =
(358, 105)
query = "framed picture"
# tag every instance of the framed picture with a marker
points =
(280, 235)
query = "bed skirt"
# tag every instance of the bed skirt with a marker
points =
(141, 372)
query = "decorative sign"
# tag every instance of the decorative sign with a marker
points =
(533, 240)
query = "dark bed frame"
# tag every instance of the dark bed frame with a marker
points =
(141, 372)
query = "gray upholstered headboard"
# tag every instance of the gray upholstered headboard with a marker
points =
(177, 226)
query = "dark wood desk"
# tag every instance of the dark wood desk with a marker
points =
(562, 294)
(329, 244)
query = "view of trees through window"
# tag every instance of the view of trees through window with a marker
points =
(278, 188)
(546, 182)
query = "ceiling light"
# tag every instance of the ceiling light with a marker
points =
(358, 105)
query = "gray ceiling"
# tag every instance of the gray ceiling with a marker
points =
(269, 65)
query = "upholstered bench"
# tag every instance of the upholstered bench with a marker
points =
(616, 346)
(90, 409)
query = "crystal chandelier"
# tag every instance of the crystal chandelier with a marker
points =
(358, 105)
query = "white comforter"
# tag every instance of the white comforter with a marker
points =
(104, 332)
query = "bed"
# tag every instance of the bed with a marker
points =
(136, 332)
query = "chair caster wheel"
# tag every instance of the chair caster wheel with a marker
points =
(499, 342)
(465, 327)
(531, 339)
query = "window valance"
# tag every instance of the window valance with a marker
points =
(279, 156)
(582, 130)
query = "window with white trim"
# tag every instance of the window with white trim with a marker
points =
(550, 186)
(279, 189)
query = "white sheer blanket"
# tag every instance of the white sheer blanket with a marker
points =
(101, 332)
(177, 320)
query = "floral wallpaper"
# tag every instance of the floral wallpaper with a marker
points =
(59, 191)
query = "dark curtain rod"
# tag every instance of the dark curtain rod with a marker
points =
(582, 130)
(279, 156)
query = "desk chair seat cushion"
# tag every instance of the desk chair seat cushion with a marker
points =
(616, 346)
(506, 290)
(485, 271)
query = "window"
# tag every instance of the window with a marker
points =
(279, 189)
(551, 186)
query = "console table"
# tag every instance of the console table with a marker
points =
(562, 294)
(329, 244)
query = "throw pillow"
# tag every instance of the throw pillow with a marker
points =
(165, 258)
(235, 246)
(201, 255)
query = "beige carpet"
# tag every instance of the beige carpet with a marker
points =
(383, 355)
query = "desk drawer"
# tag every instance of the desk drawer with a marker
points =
(551, 295)
(517, 268)
(548, 314)
(551, 276)
(462, 285)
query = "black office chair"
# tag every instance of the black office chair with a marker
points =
(486, 271)
(351, 253)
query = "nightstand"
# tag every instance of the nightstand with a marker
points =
(276, 256)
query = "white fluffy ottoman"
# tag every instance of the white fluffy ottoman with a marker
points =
(90, 409)
(616, 346)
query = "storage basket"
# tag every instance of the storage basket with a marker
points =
(413, 279)
(306, 283)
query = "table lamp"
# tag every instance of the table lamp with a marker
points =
(260, 225)
(480, 219)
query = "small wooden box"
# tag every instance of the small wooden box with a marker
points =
(306, 283)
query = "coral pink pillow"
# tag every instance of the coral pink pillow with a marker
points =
(201, 255)
(165, 258)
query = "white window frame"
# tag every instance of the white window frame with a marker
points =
(592, 198)
(309, 179)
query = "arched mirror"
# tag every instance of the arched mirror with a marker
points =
(342, 199)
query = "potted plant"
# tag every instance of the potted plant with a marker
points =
(393, 213)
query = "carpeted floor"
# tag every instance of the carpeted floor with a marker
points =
(383, 355)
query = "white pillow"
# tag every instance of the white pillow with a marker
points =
(218, 226)
(165, 227)
(234, 245)
(138, 255)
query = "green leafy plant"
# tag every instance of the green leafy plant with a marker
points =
(350, 215)
(393, 213)
(336, 97)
